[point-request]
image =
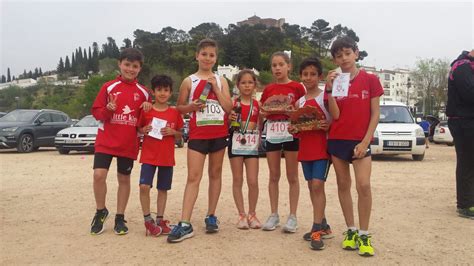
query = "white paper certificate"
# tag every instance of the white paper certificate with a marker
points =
(157, 124)
(340, 86)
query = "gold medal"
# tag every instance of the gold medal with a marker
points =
(243, 141)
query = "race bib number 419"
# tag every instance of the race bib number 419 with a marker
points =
(211, 115)
(277, 132)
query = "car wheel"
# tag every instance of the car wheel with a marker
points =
(418, 157)
(63, 151)
(450, 144)
(25, 143)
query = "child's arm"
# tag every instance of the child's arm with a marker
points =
(361, 149)
(104, 105)
(182, 103)
(332, 104)
(223, 95)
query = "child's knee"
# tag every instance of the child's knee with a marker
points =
(99, 177)
(364, 189)
(317, 187)
(144, 188)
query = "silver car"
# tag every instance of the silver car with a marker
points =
(80, 137)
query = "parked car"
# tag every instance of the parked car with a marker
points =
(80, 137)
(397, 132)
(442, 134)
(28, 130)
(186, 130)
(2, 114)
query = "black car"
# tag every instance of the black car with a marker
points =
(27, 130)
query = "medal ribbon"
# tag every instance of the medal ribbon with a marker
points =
(242, 131)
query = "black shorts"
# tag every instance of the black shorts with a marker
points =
(102, 160)
(344, 149)
(231, 155)
(427, 134)
(285, 146)
(206, 146)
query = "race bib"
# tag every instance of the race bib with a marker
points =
(211, 115)
(277, 132)
(245, 144)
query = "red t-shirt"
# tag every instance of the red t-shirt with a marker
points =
(292, 89)
(117, 134)
(354, 116)
(208, 131)
(155, 151)
(313, 144)
(246, 111)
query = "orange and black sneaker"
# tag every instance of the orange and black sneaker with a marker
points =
(316, 241)
(325, 234)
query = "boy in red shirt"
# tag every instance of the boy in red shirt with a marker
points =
(349, 139)
(158, 152)
(117, 108)
(312, 152)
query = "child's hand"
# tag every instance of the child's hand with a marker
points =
(360, 150)
(146, 106)
(146, 129)
(213, 82)
(112, 104)
(167, 131)
(196, 105)
(232, 116)
(323, 124)
(330, 78)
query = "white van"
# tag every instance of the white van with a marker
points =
(397, 132)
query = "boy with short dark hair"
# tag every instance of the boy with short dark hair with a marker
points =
(158, 153)
(117, 108)
(349, 141)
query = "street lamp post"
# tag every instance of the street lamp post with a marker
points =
(17, 99)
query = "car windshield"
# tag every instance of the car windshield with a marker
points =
(395, 114)
(87, 121)
(19, 116)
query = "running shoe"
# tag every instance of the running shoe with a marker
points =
(350, 239)
(243, 223)
(291, 224)
(254, 223)
(165, 226)
(180, 233)
(365, 247)
(97, 225)
(120, 228)
(272, 222)
(316, 241)
(466, 213)
(152, 229)
(212, 224)
(325, 234)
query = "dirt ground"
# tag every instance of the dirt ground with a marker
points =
(47, 205)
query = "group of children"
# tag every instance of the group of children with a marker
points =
(124, 109)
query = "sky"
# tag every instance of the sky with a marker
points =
(394, 33)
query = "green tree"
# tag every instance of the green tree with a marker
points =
(67, 64)
(8, 75)
(4, 79)
(321, 35)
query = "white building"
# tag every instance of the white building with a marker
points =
(231, 71)
(22, 83)
(396, 84)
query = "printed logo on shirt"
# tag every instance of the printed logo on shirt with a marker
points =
(365, 94)
(292, 96)
(136, 96)
(125, 118)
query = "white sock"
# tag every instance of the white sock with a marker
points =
(362, 232)
(352, 228)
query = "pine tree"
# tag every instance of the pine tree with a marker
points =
(36, 74)
(73, 64)
(67, 65)
(8, 75)
(30, 74)
(13, 77)
(25, 75)
(40, 72)
(4, 79)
